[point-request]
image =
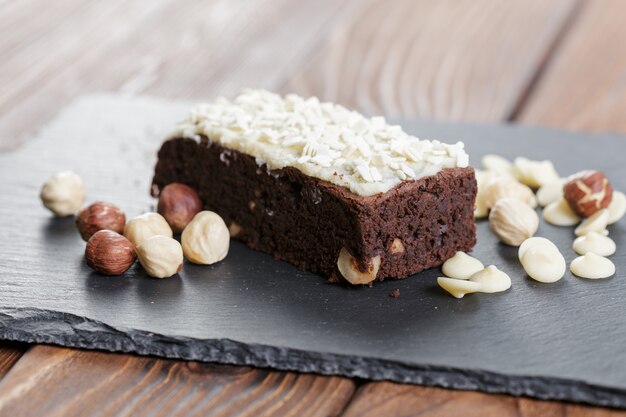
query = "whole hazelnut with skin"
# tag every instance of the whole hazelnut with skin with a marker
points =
(100, 216)
(109, 253)
(178, 203)
(587, 192)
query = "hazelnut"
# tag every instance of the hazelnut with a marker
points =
(160, 256)
(147, 225)
(109, 253)
(206, 239)
(504, 187)
(63, 194)
(178, 203)
(396, 246)
(587, 192)
(349, 268)
(534, 173)
(100, 216)
(513, 221)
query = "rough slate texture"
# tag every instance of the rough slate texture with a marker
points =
(560, 341)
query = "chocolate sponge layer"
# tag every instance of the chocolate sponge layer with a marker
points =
(306, 221)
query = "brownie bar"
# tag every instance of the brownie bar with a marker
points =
(306, 221)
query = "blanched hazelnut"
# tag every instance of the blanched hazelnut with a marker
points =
(349, 269)
(160, 256)
(63, 194)
(109, 253)
(206, 239)
(178, 203)
(499, 188)
(100, 216)
(587, 192)
(513, 221)
(147, 225)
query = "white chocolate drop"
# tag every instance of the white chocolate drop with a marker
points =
(595, 223)
(491, 280)
(550, 192)
(458, 287)
(544, 263)
(592, 266)
(559, 213)
(617, 208)
(461, 266)
(532, 242)
(596, 243)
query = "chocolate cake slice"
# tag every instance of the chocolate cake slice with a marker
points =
(323, 187)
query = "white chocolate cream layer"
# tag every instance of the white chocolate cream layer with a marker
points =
(323, 140)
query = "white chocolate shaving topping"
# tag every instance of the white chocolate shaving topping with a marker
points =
(323, 140)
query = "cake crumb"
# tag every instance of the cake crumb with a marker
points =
(395, 293)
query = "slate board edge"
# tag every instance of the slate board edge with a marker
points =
(21, 325)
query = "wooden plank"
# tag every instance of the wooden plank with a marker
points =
(391, 400)
(10, 353)
(449, 59)
(55, 381)
(584, 84)
(195, 50)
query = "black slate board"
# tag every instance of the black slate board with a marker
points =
(563, 341)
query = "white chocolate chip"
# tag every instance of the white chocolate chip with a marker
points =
(458, 287)
(461, 266)
(349, 269)
(497, 163)
(532, 242)
(513, 221)
(544, 263)
(550, 192)
(559, 213)
(596, 223)
(534, 173)
(617, 208)
(491, 280)
(592, 266)
(596, 243)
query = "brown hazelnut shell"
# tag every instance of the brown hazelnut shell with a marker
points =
(100, 216)
(109, 253)
(178, 204)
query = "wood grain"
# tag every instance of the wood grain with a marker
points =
(395, 400)
(195, 50)
(10, 353)
(79, 383)
(584, 84)
(448, 60)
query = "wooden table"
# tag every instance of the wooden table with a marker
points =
(559, 63)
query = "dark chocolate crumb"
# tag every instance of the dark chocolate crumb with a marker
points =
(395, 293)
